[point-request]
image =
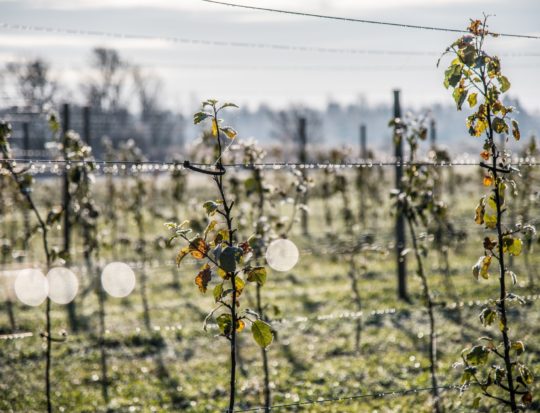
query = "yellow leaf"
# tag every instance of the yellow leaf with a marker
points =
(198, 248)
(486, 262)
(480, 210)
(515, 248)
(481, 268)
(240, 284)
(240, 325)
(214, 128)
(512, 245)
(181, 254)
(223, 274)
(203, 278)
(230, 132)
(211, 225)
(472, 99)
(480, 126)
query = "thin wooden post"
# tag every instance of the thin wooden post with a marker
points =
(361, 177)
(87, 134)
(363, 142)
(433, 155)
(26, 139)
(66, 203)
(433, 134)
(400, 221)
(302, 156)
(26, 216)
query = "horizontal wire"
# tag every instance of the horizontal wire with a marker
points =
(149, 166)
(220, 43)
(354, 20)
(324, 400)
(347, 315)
(236, 44)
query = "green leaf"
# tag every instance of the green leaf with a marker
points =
(250, 185)
(224, 322)
(478, 355)
(492, 203)
(476, 402)
(257, 274)
(210, 207)
(200, 116)
(525, 374)
(519, 347)
(487, 316)
(490, 220)
(228, 105)
(262, 333)
(459, 94)
(499, 125)
(505, 83)
(209, 102)
(229, 257)
(468, 374)
(452, 75)
(515, 130)
(469, 54)
(218, 292)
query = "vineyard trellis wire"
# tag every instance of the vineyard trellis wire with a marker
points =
(324, 400)
(238, 44)
(365, 21)
(37, 166)
(298, 319)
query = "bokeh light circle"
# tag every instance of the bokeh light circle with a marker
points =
(63, 285)
(31, 287)
(282, 254)
(118, 279)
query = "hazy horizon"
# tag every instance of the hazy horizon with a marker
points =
(278, 78)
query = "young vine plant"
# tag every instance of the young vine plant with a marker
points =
(496, 366)
(222, 256)
(417, 201)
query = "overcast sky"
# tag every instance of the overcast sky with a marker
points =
(250, 75)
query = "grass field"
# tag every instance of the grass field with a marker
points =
(176, 366)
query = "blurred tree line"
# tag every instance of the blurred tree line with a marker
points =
(124, 102)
